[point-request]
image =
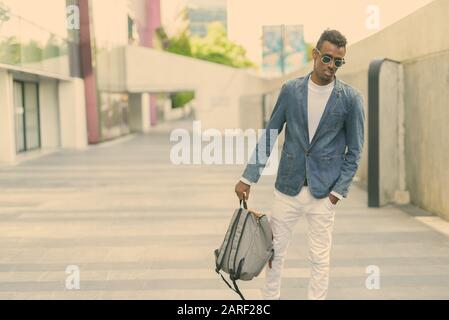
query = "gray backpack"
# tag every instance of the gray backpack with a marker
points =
(246, 248)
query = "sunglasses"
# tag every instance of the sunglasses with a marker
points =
(326, 59)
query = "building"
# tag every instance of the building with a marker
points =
(200, 13)
(85, 72)
(284, 49)
(62, 72)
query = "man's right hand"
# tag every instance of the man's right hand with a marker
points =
(242, 190)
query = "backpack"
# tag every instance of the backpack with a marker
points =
(246, 248)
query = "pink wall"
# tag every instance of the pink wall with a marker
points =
(148, 19)
(153, 21)
(148, 16)
(90, 85)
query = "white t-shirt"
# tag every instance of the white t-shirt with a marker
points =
(316, 103)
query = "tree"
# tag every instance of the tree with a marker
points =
(10, 51)
(52, 48)
(31, 52)
(180, 44)
(4, 14)
(309, 48)
(216, 47)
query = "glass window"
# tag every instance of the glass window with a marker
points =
(33, 37)
(32, 128)
(27, 122)
(19, 117)
(112, 28)
(114, 115)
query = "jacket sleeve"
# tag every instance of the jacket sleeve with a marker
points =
(258, 159)
(354, 124)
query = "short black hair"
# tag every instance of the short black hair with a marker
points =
(334, 37)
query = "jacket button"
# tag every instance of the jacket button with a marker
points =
(307, 153)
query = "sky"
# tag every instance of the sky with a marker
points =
(356, 19)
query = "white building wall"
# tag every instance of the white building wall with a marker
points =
(72, 114)
(49, 113)
(7, 133)
(139, 112)
(217, 88)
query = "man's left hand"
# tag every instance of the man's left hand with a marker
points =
(333, 198)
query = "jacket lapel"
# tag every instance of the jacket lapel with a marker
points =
(302, 98)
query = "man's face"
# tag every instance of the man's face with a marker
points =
(326, 72)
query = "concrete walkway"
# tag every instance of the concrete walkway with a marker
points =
(138, 227)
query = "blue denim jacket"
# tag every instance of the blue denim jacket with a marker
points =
(325, 161)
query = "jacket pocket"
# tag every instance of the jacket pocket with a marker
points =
(286, 164)
(330, 167)
(334, 120)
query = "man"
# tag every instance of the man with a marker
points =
(323, 117)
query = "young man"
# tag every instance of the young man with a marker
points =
(323, 116)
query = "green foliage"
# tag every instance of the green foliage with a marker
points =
(161, 40)
(52, 49)
(216, 47)
(180, 44)
(4, 13)
(309, 48)
(13, 52)
(32, 52)
(10, 51)
(179, 99)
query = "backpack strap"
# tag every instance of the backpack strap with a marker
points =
(221, 252)
(237, 290)
(236, 243)
(236, 287)
(243, 201)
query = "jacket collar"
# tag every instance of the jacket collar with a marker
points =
(304, 81)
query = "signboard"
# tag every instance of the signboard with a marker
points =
(284, 49)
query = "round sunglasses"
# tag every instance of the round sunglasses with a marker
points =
(326, 59)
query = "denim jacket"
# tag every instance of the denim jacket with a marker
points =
(325, 161)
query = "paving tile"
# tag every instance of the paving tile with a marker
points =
(139, 227)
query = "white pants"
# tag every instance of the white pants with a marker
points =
(320, 217)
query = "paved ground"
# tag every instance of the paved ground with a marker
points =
(140, 228)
